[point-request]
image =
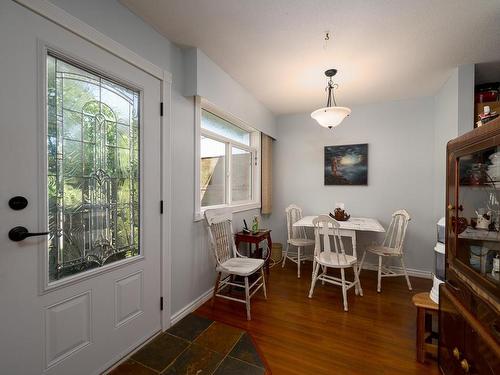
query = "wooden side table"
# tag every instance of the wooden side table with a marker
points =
(426, 308)
(256, 238)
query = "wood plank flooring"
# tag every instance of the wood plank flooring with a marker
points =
(298, 335)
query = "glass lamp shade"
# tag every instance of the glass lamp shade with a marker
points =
(330, 117)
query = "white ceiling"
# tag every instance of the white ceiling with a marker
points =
(383, 49)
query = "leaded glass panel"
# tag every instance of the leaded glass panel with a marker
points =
(93, 169)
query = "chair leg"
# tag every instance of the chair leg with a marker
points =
(361, 264)
(406, 273)
(247, 298)
(356, 279)
(379, 277)
(314, 278)
(298, 262)
(263, 282)
(324, 269)
(216, 288)
(286, 255)
(344, 289)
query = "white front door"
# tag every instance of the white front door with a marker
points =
(80, 140)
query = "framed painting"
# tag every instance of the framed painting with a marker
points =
(346, 164)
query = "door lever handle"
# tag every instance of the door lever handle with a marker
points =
(17, 234)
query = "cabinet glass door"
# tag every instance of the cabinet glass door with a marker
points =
(476, 224)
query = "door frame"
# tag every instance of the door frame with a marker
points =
(88, 33)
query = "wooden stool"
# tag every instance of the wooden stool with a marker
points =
(426, 308)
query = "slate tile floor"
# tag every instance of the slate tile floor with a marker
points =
(196, 345)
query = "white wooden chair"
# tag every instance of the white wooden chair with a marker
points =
(230, 262)
(324, 258)
(392, 246)
(296, 236)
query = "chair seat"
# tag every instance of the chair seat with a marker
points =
(241, 266)
(384, 251)
(301, 242)
(331, 260)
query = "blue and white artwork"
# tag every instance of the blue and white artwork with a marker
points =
(346, 164)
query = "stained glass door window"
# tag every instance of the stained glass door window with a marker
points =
(93, 169)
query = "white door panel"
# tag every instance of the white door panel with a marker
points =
(81, 323)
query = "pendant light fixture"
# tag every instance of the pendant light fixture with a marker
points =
(331, 115)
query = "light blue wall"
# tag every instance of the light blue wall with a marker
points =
(445, 128)
(465, 92)
(193, 268)
(453, 116)
(400, 138)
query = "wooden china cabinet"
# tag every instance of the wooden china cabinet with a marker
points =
(469, 305)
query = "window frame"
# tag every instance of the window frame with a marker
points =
(254, 148)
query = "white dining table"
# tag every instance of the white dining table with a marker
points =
(348, 228)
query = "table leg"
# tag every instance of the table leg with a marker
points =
(354, 254)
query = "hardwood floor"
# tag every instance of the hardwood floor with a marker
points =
(298, 335)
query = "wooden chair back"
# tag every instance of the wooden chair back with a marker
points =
(325, 228)
(294, 214)
(220, 232)
(396, 233)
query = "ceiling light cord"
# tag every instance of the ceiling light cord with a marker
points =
(331, 87)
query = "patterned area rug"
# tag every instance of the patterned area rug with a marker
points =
(198, 346)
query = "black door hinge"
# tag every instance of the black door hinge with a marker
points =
(161, 303)
(161, 109)
(161, 207)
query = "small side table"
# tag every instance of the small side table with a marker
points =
(257, 238)
(426, 308)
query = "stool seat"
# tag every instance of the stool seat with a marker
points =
(424, 300)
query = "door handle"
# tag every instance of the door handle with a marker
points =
(17, 234)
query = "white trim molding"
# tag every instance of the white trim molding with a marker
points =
(62, 18)
(166, 197)
(189, 308)
(201, 104)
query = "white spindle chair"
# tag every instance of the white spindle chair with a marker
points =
(230, 261)
(296, 236)
(325, 228)
(392, 246)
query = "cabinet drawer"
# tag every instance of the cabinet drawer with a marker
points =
(458, 288)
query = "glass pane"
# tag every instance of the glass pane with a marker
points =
(93, 170)
(478, 239)
(212, 172)
(241, 175)
(222, 127)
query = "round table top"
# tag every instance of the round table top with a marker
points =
(424, 300)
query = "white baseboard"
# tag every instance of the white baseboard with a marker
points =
(411, 271)
(191, 306)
